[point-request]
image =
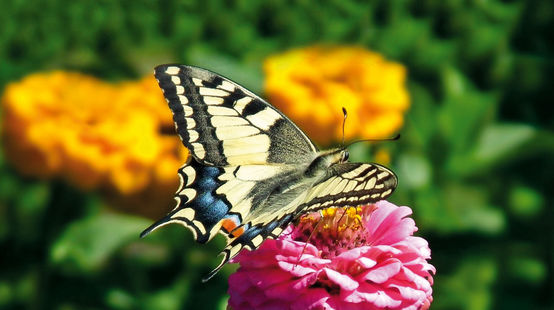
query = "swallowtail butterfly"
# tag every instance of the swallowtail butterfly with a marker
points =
(252, 171)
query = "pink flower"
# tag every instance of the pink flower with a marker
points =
(355, 258)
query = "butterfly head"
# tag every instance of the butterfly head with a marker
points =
(344, 155)
(336, 156)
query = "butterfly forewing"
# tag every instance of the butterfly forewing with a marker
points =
(223, 124)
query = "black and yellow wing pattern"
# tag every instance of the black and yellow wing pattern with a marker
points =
(252, 170)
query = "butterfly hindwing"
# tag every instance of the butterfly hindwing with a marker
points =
(210, 199)
(224, 124)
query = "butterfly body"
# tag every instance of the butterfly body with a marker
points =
(252, 171)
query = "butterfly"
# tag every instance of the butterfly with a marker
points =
(251, 170)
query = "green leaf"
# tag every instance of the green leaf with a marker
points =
(29, 209)
(464, 111)
(486, 220)
(485, 41)
(86, 244)
(432, 212)
(403, 36)
(471, 205)
(469, 287)
(496, 144)
(455, 208)
(249, 77)
(414, 171)
(528, 269)
(454, 83)
(170, 298)
(433, 54)
(498, 140)
(120, 299)
(6, 293)
(419, 130)
(525, 202)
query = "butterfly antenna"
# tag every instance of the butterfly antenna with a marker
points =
(375, 140)
(343, 123)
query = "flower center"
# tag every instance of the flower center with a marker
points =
(335, 230)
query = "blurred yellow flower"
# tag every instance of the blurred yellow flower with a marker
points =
(382, 156)
(312, 84)
(96, 135)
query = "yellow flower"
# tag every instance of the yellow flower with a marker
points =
(96, 135)
(312, 84)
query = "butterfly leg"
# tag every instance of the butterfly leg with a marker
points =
(308, 240)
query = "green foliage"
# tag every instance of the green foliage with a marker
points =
(474, 160)
(86, 244)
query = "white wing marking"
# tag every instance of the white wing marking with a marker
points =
(264, 119)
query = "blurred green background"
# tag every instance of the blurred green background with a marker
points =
(474, 162)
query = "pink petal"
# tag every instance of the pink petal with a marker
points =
(387, 225)
(372, 252)
(344, 281)
(419, 281)
(408, 292)
(315, 298)
(274, 304)
(366, 262)
(254, 297)
(421, 244)
(291, 290)
(338, 302)
(304, 260)
(295, 270)
(263, 278)
(353, 254)
(263, 257)
(236, 300)
(370, 293)
(383, 271)
(294, 248)
(239, 281)
(384, 249)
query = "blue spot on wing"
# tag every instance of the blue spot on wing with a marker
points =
(212, 172)
(210, 210)
(209, 207)
(220, 208)
(207, 183)
(270, 227)
(204, 200)
(207, 178)
(248, 235)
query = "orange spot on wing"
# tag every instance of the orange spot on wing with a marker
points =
(237, 232)
(228, 225)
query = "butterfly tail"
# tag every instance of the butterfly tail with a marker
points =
(212, 273)
(154, 226)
